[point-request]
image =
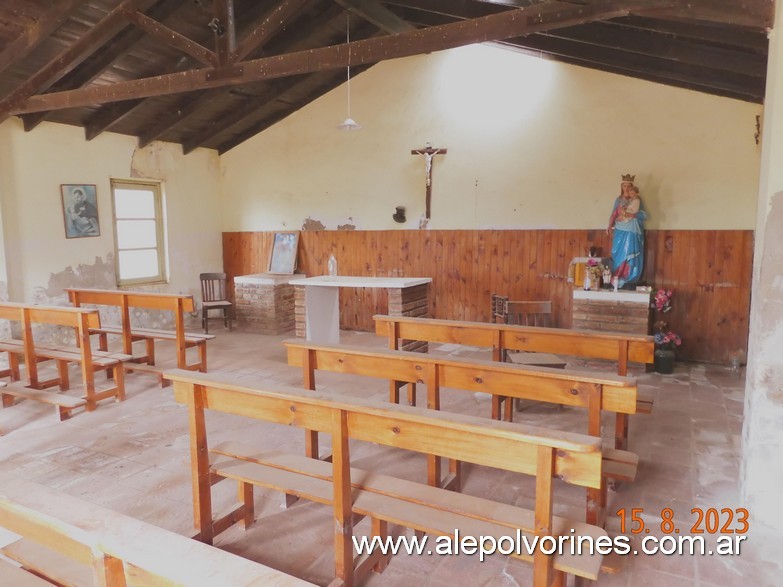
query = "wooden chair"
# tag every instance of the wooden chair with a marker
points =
(213, 297)
(529, 313)
(499, 310)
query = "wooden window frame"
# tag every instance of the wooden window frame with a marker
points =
(160, 231)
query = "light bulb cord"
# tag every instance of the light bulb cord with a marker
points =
(348, 41)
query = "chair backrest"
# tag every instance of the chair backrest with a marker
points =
(213, 287)
(499, 310)
(529, 313)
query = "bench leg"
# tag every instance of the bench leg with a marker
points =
(62, 371)
(202, 356)
(621, 432)
(149, 344)
(496, 407)
(119, 381)
(62, 413)
(13, 365)
(394, 392)
(380, 529)
(433, 470)
(8, 400)
(248, 508)
(509, 414)
(411, 394)
(103, 341)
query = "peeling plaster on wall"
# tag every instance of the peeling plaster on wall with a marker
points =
(763, 430)
(155, 161)
(310, 224)
(99, 275)
(346, 227)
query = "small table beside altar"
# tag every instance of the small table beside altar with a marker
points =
(318, 297)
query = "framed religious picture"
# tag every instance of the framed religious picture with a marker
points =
(283, 257)
(80, 210)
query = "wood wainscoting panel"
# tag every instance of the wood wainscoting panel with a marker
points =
(709, 271)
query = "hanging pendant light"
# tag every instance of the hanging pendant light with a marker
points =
(349, 123)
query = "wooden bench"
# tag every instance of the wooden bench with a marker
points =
(67, 541)
(351, 492)
(81, 321)
(564, 387)
(619, 347)
(125, 300)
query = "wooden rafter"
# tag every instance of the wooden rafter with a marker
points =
(190, 105)
(664, 47)
(225, 30)
(755, 14)
(511, 23)
(268, 27)
(107, 117)
(238, 115)
(379, 15)
(71, 56)
(734, 84)
(36, 32)
(96, 63)
(172, 37)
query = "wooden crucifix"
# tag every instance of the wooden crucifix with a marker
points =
(428, 153)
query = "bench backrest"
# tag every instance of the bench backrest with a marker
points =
(505, 445)
(55, 315)
(618, 347)
(563, 386)
(80, 319)
(104, 540)
(176, 303)
(133, 299)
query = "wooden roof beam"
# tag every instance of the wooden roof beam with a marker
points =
(379, 15)
(268, 27)
(189, 106)
(224, 27)
(36, 32)
(107, 117)
(635, 65)
(70, 57)
(96, 63)
(511, 23)
(172, 37)
(237, 115)
(664, 47)
(756, 14)
(754, 41)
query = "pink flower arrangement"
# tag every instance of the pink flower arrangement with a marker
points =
(667, 340)
(662, 300)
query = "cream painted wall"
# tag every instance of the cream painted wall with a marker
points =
(531, 143)
(32, 167)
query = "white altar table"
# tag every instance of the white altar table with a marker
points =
(408, 296)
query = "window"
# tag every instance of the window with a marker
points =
(139, 238)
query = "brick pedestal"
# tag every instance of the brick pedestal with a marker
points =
(622, 311)
(413, 302)
(264, 303)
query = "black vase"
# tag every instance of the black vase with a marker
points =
(664, 361)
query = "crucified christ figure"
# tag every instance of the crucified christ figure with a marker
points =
(428, 153)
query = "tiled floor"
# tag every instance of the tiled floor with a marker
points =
(133, 457)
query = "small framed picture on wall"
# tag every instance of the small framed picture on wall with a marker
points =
(80, 210)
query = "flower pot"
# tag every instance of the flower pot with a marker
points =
(664, 361)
